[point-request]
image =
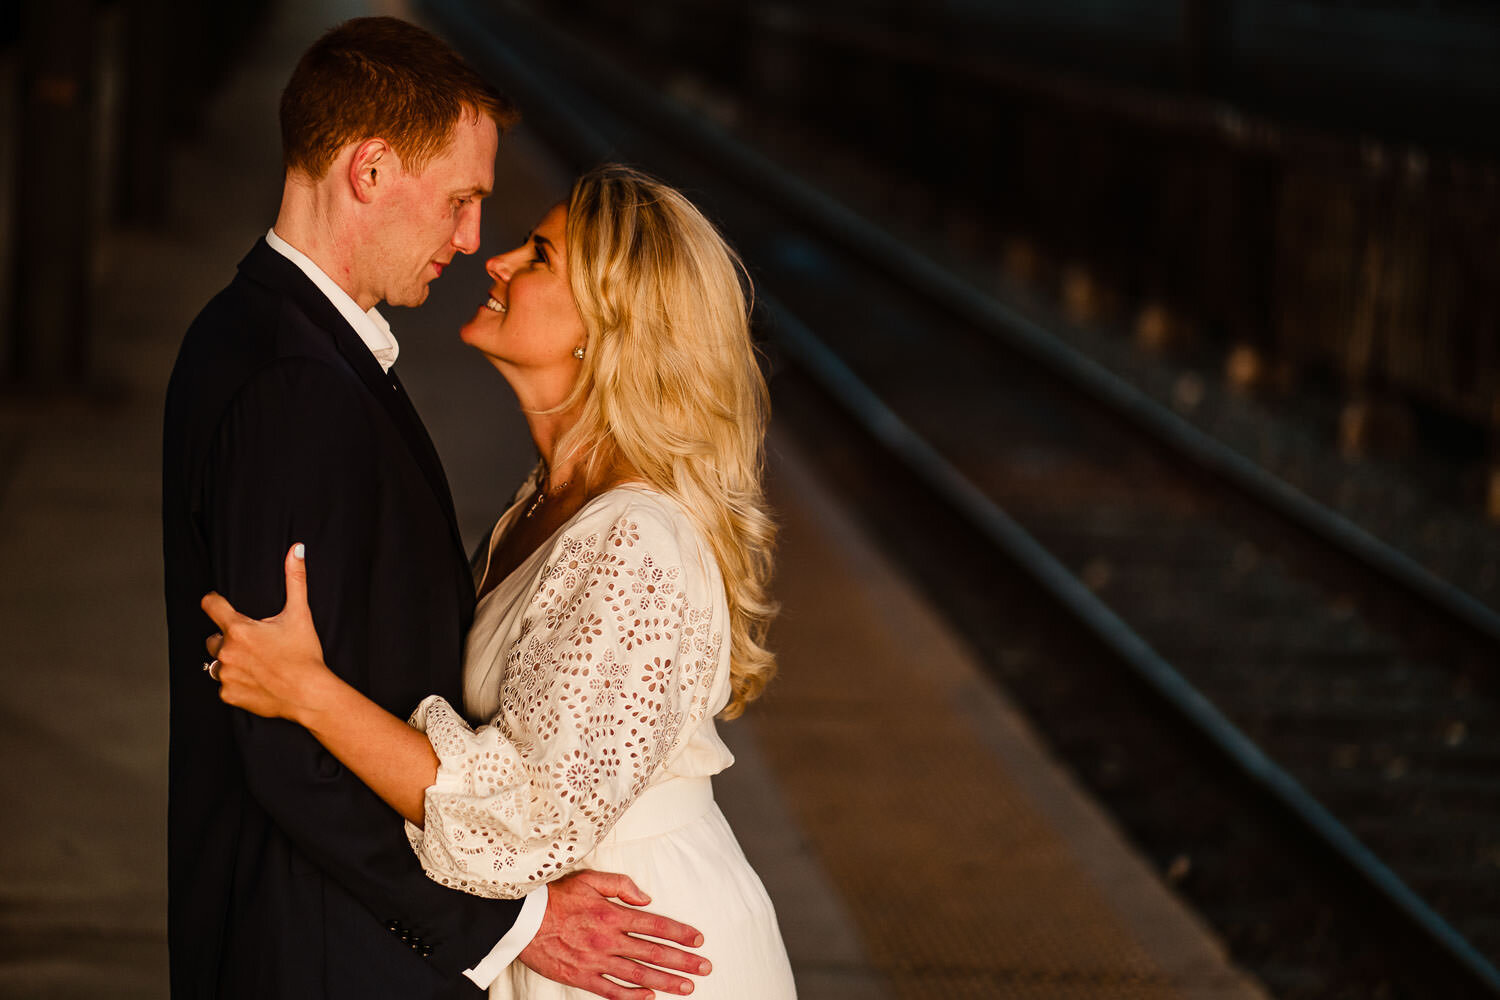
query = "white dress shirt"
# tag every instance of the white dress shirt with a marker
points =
(376, 334)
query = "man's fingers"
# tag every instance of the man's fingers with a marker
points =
(214, 643)
(654, 925)
(665, 956)
(296, 579)
(611, 990)
(617, 886)
(586, 935)
(648, 977)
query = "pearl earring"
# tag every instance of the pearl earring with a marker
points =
(578, 353)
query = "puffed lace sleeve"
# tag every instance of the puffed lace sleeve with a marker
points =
(614, 662)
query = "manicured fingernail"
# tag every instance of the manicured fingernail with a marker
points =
(299, 551)
(698, 941)
(704, 968)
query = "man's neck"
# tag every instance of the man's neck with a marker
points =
(310, 223)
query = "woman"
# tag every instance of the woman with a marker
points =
(622, 604)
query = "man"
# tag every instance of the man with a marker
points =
(284, 421)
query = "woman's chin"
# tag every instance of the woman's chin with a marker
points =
(472, 332)
(482, 340)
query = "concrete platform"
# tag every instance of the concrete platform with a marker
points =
(917, 840)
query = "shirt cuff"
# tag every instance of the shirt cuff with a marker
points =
(528, 922)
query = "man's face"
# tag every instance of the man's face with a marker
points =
(426, 218)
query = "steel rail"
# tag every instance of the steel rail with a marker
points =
(756, 173)
(950, 484)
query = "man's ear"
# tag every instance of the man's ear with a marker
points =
(371, 167)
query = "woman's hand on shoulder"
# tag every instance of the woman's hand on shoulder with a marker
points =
(272, 667)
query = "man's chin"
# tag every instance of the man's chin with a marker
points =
(410, 299)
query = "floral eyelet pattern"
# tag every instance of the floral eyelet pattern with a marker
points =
(615, 663)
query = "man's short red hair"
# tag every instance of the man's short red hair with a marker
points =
(385, 77)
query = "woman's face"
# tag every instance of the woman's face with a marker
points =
(530, 325)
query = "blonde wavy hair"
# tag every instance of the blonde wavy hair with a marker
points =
(670, 383)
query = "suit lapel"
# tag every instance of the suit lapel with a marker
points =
(265, 265)
(421, 444)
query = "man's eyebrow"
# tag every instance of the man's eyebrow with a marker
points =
(474, 192)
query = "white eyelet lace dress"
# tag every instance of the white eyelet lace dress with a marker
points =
(600, 663)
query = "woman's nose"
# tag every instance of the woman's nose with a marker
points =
(502, 266)
(499, 267)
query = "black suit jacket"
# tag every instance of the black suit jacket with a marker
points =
(287, 876)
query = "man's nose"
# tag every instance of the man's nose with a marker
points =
(466, 236)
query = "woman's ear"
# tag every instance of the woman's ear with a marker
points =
(371, 167)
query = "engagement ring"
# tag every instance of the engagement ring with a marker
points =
(211, 668)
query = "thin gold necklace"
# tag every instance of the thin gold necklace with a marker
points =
(541, 494)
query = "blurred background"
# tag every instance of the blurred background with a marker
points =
(1277, 222)
(1300, 194)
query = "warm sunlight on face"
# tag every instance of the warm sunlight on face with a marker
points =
(530, 322)
(435, 214)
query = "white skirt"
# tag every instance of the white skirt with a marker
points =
(676, 845)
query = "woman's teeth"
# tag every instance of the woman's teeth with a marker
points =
(495, 304)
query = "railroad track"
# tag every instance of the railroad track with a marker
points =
(1305, 732)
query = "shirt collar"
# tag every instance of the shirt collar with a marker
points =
(370, 325)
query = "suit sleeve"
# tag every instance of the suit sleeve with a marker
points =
(295, 459)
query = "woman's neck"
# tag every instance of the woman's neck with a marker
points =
(577, 467)
(560, 493)
(547, 430)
